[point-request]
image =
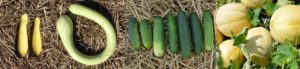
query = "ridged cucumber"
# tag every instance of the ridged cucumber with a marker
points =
(197, 33)
(172, 33)
(208, 31)
(158, 37)
(184, 34)
(146, 33)
(133, 33)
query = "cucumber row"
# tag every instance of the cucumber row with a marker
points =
(184, 34)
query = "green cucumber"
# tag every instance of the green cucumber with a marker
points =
(158, 37)
(184, 34)
(197, 33)
(133, 34)
(208, 31)
(146, 33)
(172, 33)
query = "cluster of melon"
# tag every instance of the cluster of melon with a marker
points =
(233, 18)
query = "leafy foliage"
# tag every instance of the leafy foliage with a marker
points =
(286, 54)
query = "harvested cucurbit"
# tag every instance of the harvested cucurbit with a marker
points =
(22, 36)
(184, 35)
(285, 24)
(208, 30)
(197, 33)
(218, 36)
(259, 45)
(253, 3)
(146, 33)
(65, 30)
(232, 17)
(158, 36)
(172, 33)
(36, 37)
(231, 53)
(133, 34)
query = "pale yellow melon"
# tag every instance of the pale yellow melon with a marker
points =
(285, 24)
(230, 52)
(232, 17)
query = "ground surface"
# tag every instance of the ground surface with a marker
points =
(91, 38)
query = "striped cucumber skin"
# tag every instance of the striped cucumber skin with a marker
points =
(197, 33)
(184, 34)
(208, 30)
(172, 33)
(158, 36)
(146, 33)
(133, 33)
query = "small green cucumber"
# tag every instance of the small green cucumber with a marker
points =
(197, 33)
(172, 33)
(146, 33)
(133, 33)
(208, 31)
(184, 34)
(158, 37)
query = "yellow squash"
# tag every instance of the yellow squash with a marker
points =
(232, 17)
(259, 45)
(22, 36)
(36, 37)
(230, 52)
(285, 24)
(253, 3)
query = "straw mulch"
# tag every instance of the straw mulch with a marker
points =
(91, 38)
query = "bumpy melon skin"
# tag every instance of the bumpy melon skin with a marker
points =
(259, 45)
(285, 24)
(230, 52)
(253, 3)
(232, 17)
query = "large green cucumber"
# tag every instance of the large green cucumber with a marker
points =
(146, 33)
(197, 33)
(208, 30)
(133, 34)
(172, 33)
(184, 34)
(158, 36)
(65, 30)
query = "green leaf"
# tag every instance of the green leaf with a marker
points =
(219, 60)
(285, 54)
(255, 17)
(270, 8)
(233, 65)
(240, 39)
(294, 65)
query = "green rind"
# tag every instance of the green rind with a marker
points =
(158, 37)
(133, 34)
(65, 30)
(172, 33)
(197, 33)
(146, 33)
(208, 31)
(184, 35)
